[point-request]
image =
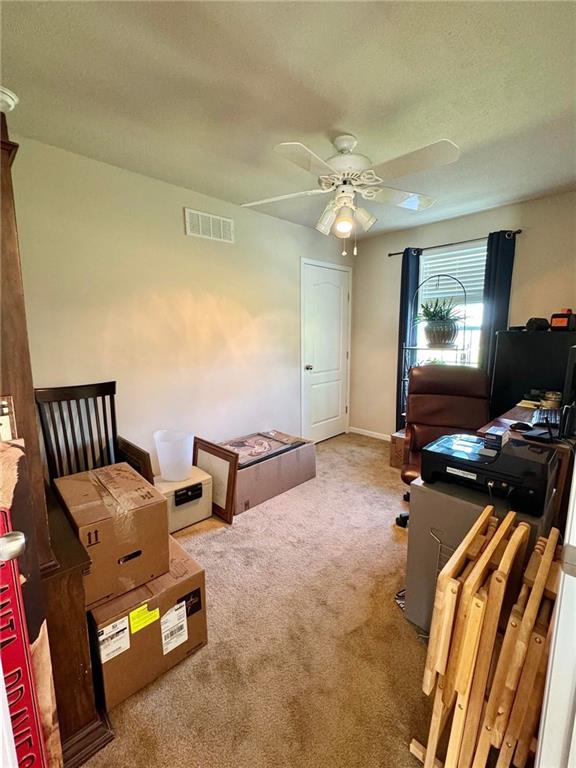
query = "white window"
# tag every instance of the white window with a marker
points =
(453, 273)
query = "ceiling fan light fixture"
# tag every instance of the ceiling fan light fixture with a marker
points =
(365, 219)
(344, 223)
(326, 220)
(350, 175)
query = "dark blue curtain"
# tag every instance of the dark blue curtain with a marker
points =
(497, 285)
(406, 327)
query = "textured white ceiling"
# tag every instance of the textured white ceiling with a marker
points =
(198, 93)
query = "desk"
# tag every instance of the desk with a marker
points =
(565, 459)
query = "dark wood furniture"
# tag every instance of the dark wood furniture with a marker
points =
(83, 728)
(565, 458)
(79, 430)
(15, 367)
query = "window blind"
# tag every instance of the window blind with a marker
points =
(467, 263)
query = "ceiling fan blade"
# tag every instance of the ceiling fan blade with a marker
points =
(303, 157)
(433, 155)
(411, 200)
(309, 193)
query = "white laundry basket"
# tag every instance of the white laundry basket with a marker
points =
(174, 449)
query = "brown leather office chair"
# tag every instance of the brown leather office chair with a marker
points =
(442, 400)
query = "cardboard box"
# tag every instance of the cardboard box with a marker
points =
(122, 521)
(140, 635)
(260, 482)
(397, 441)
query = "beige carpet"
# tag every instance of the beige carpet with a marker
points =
(310, 663)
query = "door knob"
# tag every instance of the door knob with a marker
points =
(308, 367)
(12, 545)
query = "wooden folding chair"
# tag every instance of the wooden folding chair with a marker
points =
(458, 569)
(537, 650)
(528, 621)
(455, 671)
(446, 599)
(514, 552)
(466, 638)
(514, 649)
(528, 731)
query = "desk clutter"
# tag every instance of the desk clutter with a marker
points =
(489, 645)
(145, 595)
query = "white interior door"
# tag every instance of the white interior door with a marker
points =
(325, 349)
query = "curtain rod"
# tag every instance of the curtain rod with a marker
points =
(460, 242)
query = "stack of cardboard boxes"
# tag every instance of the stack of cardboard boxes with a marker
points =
(145, 595)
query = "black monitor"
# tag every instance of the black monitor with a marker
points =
(530, 360)
(569, 391)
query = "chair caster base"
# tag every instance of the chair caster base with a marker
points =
(402, 520)
(406, 496)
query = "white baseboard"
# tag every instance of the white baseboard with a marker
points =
(368, 433)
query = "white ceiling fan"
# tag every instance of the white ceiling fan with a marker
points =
(349, 174)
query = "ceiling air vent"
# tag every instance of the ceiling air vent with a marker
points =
(206, 225)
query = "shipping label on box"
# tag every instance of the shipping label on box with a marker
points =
(142, 616)
(114, 639)
(174, 627)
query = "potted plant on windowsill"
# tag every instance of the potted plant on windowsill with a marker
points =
(441, 317)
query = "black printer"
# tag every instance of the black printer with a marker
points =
(523, 472)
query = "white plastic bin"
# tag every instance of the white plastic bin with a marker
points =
(174, 449)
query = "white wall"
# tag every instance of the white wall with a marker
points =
(544, 280)
(199, 335)
(206, 335)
